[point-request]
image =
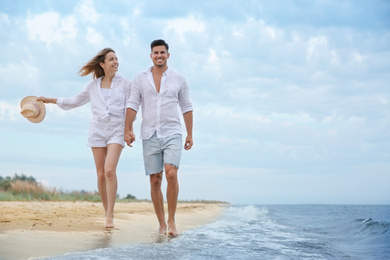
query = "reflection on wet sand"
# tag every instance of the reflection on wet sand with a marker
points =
(105, 239)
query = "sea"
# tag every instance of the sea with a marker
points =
(271, 232)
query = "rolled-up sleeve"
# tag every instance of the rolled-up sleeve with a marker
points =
(128, 87)
(76, 101)
(134, 100)
(184, 98)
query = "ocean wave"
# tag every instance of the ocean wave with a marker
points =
(370, 226)
(248, 212)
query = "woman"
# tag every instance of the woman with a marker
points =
(108, 94)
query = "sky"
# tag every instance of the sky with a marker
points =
(291, 98)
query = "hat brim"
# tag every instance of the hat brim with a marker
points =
(40, 104)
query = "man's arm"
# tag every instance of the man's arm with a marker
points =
(188, 121)
(129, 135)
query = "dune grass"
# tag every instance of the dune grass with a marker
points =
(23, 188)
(24, 191)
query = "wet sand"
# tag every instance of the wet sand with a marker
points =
(35, 229)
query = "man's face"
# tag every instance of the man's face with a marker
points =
(159, 56)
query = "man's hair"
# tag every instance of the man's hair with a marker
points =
(159, 42)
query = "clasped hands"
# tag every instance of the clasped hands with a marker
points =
(129, 138)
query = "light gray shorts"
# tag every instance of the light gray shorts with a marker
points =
(160, 151)
(103, 133)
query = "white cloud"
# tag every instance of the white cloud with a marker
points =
(9, 111)
(181, 26)
(94, 37)
(316, 47)
(22, 74)
(4, 18)
(271, 31)
(86, 12)
(128, 33)
(238, 31)
(295, 36)
(357, 57)
(229, 115)
(136, 12)
(50, 27)
(293, 118)
(245, 93)
(257, 28)
(212, 59)
(212, 64)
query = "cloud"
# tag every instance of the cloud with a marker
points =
(13, 72)
(128, 33)
(9, 111)
(4, 18)
(86, 12)
(94, 37)
(181, 26)
(50, 27)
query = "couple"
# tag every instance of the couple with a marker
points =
(114, 104)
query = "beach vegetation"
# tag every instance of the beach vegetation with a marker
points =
(24, 188)
(131, 197)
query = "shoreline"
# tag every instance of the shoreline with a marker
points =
(34, 229)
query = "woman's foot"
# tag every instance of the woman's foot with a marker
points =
(162, 231)
(110, 223)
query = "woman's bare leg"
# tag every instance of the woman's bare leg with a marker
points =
(99, 155)
(111, 163)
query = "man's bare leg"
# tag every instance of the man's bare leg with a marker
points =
(158, 201)
(172, 195)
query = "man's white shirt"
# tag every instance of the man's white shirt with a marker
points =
(160, 109)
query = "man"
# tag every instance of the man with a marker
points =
(159, 91)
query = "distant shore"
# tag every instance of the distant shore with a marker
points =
(36, 229)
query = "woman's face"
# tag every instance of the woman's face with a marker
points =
(110, 64)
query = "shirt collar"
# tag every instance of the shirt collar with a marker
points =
(149, 70)
(116, 77)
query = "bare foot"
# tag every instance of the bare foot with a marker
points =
(162, 231)
(110, 222)
(172, 229)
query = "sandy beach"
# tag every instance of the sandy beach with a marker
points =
(35, 229)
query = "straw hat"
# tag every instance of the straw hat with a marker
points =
(32, 109)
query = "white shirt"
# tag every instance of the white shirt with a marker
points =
(106, 93)
(113, 108)
(160, 109)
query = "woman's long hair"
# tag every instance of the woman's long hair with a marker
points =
(93, 66)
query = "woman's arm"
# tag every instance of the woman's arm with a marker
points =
(47, 100)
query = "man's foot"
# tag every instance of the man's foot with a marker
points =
(172, 232)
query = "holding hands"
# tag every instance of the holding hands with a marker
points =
(129, 137)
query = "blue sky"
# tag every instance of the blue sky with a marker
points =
(291, 97)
